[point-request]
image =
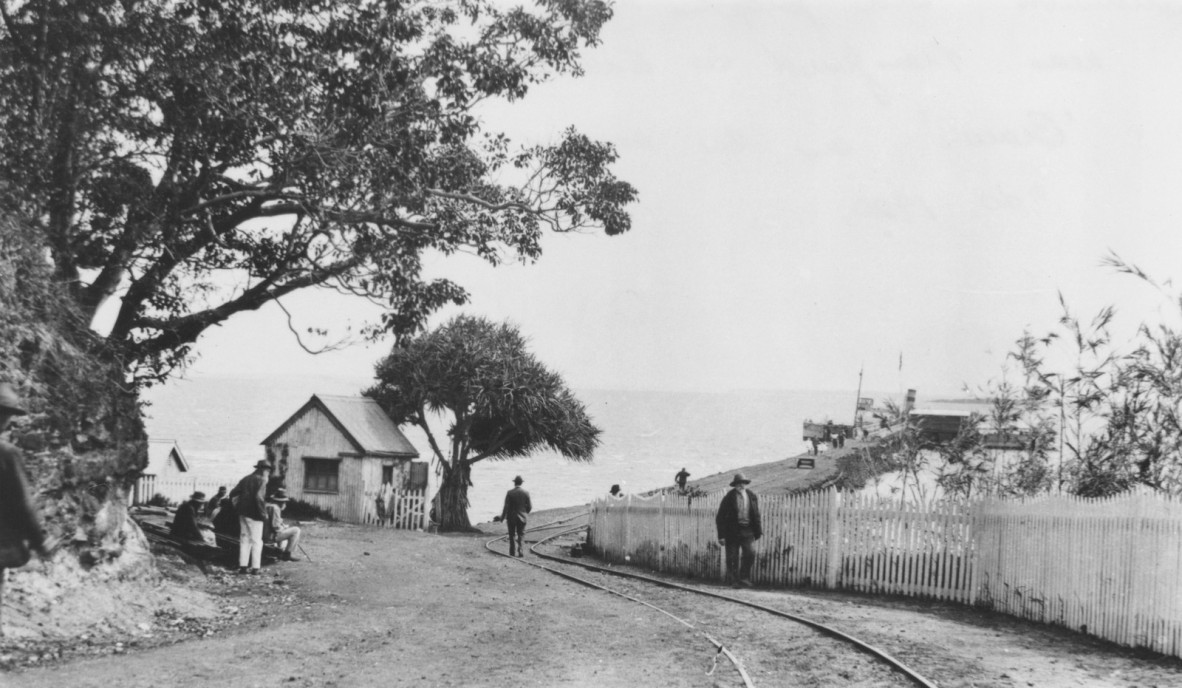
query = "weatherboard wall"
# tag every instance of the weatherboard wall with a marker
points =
(314, 435)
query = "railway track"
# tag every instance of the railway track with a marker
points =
(752, 636)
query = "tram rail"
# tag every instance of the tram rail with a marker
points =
(874, 652)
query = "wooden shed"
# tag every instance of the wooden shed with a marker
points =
(166, 467)
(342, 453)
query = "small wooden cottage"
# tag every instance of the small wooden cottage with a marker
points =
(344, 454)
(165, 469)
(165, 460)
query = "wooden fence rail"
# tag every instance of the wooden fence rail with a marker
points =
(405, 509)
(1111, 568)
(175, 489)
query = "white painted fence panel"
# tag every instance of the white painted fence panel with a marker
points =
(1111, 568)
(175, 489)
(406, 509)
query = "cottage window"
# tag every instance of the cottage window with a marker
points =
(321, 475)
(387, 475)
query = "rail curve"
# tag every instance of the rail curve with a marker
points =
(865, 647)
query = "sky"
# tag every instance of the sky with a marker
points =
(826, 187)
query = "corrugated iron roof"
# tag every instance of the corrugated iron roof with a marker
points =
(362, 421)
(160, 452)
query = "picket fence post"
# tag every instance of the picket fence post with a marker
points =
(833, 561)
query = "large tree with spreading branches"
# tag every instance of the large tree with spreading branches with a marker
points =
(495, 398)
(183, 161)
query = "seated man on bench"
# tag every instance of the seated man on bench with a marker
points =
(286, 538)
(189, 527)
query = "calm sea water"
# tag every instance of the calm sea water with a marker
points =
(647, 437)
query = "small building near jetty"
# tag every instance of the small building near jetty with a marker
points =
(344, 454)
(943, 421)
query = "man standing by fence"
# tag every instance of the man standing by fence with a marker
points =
(739, 527)
(517, 506)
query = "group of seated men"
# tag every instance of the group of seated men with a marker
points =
(198, 521)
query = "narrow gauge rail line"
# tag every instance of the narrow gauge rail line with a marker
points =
(871, 650)
(720, 649)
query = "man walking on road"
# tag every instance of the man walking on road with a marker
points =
(738, 528)
(250, 504)
(517, 506)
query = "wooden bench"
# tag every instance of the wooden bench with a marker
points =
(806, 462)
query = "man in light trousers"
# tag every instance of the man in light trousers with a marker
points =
(250, 503)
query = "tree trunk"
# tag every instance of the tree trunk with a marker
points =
(451, 502)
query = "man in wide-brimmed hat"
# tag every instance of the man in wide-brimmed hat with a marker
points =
(250, 503)
(739, 527)
(515, 512)
(285, 537)
(20, 527)
(188, 524)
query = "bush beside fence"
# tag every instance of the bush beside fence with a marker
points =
(175, 489)
(1111, 568)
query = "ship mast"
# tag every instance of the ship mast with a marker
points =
(858, 399)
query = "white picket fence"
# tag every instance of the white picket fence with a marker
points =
(405, 509)
(175, 489)
(1111, 568)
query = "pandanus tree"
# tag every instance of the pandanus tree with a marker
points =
(179, 162)
(495, 398)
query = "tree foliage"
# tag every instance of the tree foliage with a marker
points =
(1103, 414)
(50, 354)
(497, 399)
(195, 159)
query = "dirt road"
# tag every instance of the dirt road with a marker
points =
(393, 608)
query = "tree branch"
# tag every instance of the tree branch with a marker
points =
(176, 332)
(299, 340)
(494, 207)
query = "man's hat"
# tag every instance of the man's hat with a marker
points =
(280, 495)
(518, 480)
(739, 478)
(263, 464)
(9, 401)
(198, 496)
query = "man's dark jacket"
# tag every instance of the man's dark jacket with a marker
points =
(185, 524)
(517, 505)
(18, 518)
(727, 518)
(251, 496)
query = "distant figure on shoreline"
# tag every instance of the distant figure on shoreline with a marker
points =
(515, 513)
(680, 479)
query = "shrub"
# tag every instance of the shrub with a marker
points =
(305, 511)
(162, 501)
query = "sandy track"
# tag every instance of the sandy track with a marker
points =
(392, 608)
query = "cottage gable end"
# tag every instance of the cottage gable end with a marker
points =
(360, 420)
